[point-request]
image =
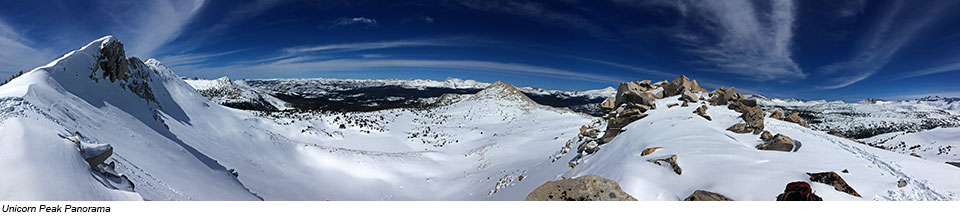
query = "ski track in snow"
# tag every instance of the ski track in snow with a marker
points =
(916, 190)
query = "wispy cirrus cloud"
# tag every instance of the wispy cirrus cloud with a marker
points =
(148, 26)
(900, 24)
(358, 21)
(740, 37)
(194, 58)
(346, 47)
(950, 67)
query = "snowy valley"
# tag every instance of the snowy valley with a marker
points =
(97, 125)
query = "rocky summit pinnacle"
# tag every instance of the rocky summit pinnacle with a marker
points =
(503, 91)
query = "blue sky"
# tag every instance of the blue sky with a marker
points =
(810, 49)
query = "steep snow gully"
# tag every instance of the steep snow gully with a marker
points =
(97, 125)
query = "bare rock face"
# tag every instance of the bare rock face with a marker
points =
(833, 179)
(95, 154)
(584, 188)
(685, 104)
(722, 96)
(672, 105)
(672, 161)
(776, 114)
(779, 142)
(702, 112)
(740, 128)
(639, 98)
(608, 104)
(132, 73)
(753, 116)
(748, 102)
(766, 136)
(956, 164)
(703, 195)
(649, 151)
(795, 117)
(615, 125)
(624, 88)
(680, 84)
(688, 96)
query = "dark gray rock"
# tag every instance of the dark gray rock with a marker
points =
(833, 179)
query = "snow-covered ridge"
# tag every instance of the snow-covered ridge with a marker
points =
(236, 93)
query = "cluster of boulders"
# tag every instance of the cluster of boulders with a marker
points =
(633, 99)
(795, 117)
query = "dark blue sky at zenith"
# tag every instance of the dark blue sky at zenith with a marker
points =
(809, 49)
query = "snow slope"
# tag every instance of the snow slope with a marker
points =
(236, 93)
(866, 118)
(720, 161)
(174, 144)
(938, 144)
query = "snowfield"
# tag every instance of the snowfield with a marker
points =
(494, 145)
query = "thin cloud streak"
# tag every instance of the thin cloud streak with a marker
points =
(346, 47)
(928, 71)
(361, 21)
(891, 33)
(194, 58)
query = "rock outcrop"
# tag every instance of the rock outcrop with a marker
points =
(778, 142)
(703, 195)
(776, 114)
(702, 112)
(672, 161)
(608, 104)
(615, 124)
(649, 151)
(766, 136)
(753, 116)
(833, 179)
(131, 73)
(681, 84)
(584, 188)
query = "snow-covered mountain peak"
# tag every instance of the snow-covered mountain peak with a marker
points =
(503, 91)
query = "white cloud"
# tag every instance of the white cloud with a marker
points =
(296, 66)
(362, 21)
(160, 24)
(741, 38)
(898, 26)
(144, 27)
(193, 58)
(374, 45)
(931, 70)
